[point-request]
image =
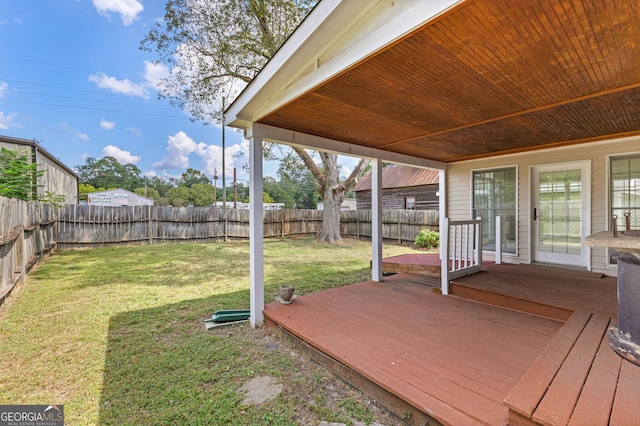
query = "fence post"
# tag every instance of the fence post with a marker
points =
(226, 229)
(150, 226)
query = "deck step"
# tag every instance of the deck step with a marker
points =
(577, 380)
(510, 302)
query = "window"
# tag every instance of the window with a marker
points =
(410, 203)
(625, 191)
(494, 194)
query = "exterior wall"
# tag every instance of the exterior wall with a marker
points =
(56, 178)
(393, 198)
(459, 197)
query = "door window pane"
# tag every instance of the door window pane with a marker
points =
(560, 212)
(625, 191)
(494, 194)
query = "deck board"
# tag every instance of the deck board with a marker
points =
(527, 394)
(559, 401)
(594, 406)
(447, 356)
(626, 410)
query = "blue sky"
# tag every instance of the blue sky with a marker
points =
(73, 77)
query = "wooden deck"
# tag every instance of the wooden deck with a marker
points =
(505, 358)
(453, 359)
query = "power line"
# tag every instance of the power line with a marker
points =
(91, 100)
(70, 88)
(43, 63)
(93, 109)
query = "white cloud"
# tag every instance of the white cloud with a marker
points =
(150, 173)
(127, 9)
(180, 146)
(3, 88)
(17, 21)
(154, 73)
(236, 155)
(75, 133)
(6, 121)
(122, 156)
(124, 86)
(135, 131)
(107, 125)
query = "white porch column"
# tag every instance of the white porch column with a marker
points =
(256, 233)
(376, 220)
(444, 231)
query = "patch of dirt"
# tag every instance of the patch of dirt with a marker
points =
(260, 389)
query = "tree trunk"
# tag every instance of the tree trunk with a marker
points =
(332, 198)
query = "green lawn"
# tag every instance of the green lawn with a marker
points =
(117, 335)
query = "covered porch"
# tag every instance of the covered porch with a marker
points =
(517, 344)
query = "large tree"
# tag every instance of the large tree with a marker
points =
(108, 173)
(212, 46)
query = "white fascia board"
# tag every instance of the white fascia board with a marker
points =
(334, 37)
(290, 137)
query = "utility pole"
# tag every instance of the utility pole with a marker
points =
(215, 186)
(235, 190)
(224, 185)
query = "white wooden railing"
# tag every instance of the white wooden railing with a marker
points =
(461, 249)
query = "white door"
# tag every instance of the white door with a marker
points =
(561, 213)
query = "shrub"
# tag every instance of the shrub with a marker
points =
(427, 239)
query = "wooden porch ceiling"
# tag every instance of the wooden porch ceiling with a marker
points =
(487, 78)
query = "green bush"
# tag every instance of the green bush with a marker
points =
(427, 239)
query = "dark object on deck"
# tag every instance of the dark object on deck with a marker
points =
(625, 339)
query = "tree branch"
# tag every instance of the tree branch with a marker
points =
(317, 173)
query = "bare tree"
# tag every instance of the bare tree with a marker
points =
(214, 46)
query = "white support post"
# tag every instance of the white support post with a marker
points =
(498, 240)
(256, 233)
(479, 242)
(376, 221)
(442, 205)
(444, 254)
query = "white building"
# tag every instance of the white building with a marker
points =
(117, 197)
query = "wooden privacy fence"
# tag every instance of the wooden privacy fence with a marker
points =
(27, 234)
(30, 230)
(87, 226)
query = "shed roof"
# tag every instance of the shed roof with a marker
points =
(398, 176)
(35, 145)
(480, 78)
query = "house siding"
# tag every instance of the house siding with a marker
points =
(394, 198)
(459, 194)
